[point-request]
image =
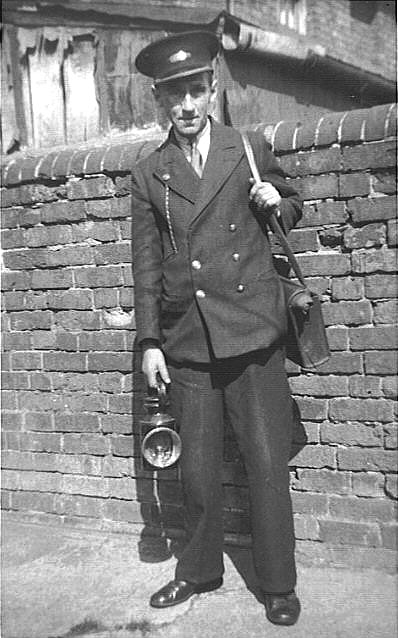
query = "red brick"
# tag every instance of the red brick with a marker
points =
(70, 256)
(67, 361)
(102, 340)
(85, 444)
(372, 209)
(369, 236)
(124, 446)
(390, 387)
(323, 480)
(44, 279)
(381, 362)
(373, 338)
(26, 361)
(48, 236)
(315, 456)
(384, 311)
(392, 232)
(374, 155)
(11, 421)
(125, 230)
(352, 434)
(40, 381)
(63, 212)
(366, 387)
(105, 298)
(77, 299)
(14, 300)
(389, 536)
(98, 277)
(311, 162)
(392, 485)
(312, 409)
(82, 422)
(360, 410)
(38, 421)
(10, 217)
(12, 238)
(375, 260)
(317, 187)
(306, 527)
(120, 404)
(111, 382)
(323, 213)
(75, 381)
(29, 320)
(367, 459)
(339, 532)
(341, 363)
(347, 313)
(384, 182)
(337, 338)
(79, 505)
(319, 386)
(114, 254)
(110, 361)
(78, 320)
(41, 442)
(14, 380)
(391, 436)
(85, 485)
(368, 484)
(117, 424)
(16, 280)
(354, 184)
(307, 503)
(34, 501)
(348, 288)
(90, 188)
(284, 136)
(324, 264)
(123, 187)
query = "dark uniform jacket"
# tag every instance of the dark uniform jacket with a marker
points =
(205, 283)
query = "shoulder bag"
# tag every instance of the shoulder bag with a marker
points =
(306, 341)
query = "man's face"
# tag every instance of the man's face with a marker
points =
(187, 101)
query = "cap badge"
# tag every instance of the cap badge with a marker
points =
(180, 56)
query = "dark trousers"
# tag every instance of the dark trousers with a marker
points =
(253, 388)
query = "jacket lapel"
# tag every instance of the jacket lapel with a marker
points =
(226, 151)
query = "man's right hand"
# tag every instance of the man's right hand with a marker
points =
(154, 363)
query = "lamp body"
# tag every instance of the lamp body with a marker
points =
(160, 442)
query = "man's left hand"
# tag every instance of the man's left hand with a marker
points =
(264, 195)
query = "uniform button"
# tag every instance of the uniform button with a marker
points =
(196, 264)
(236, 256)
(240, 288)
(200, 294)
(166, 177)
(232, 228)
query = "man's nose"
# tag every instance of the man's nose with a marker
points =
(187, 103)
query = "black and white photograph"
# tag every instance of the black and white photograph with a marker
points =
(199, 264)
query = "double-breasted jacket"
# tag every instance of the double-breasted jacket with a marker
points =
(205, 282)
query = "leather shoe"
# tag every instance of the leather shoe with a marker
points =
(178, 591)
(282, 609)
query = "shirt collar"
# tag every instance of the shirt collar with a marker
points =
(202, 141)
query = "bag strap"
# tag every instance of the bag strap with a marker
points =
(273, 221)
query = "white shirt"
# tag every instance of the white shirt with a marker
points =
(202, 142)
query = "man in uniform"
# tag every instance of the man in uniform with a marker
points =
(211, 317)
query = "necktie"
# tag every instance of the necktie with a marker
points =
(196, 160)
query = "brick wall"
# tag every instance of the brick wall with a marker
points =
(71, 387)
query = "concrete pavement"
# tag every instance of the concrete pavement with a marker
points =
(60, 582)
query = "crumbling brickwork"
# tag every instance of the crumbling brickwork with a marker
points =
(72, 391)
